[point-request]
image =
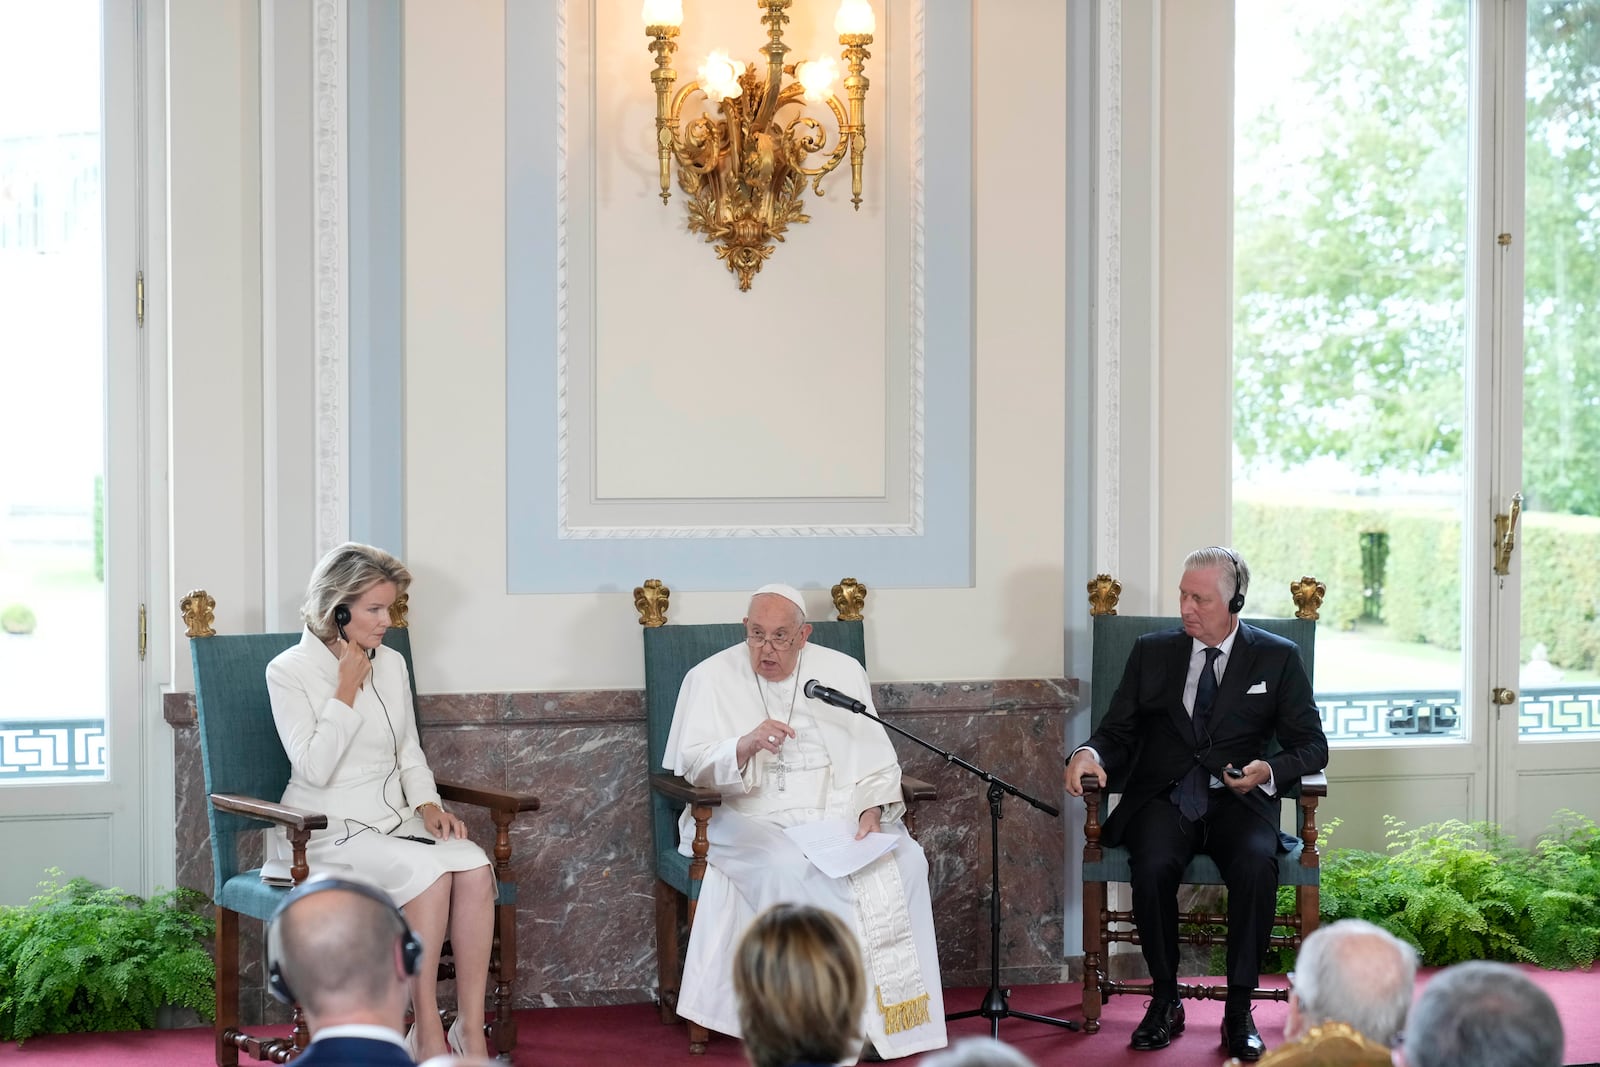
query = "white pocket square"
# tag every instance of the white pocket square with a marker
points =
(1259, 687)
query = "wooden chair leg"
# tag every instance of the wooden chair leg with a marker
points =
(1308, 898)
(227, 1023)
(1094, 950)
(504, 1026)
(669, 973)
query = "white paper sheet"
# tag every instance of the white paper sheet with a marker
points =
(832, 848)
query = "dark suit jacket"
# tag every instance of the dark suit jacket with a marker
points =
(352, 1052)
(1147, 742)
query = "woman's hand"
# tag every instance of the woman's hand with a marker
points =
(354, 670)
(441, 823)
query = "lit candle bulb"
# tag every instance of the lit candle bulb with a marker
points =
(855, 17)
(817, 77)
(719, 78)
(662, 12)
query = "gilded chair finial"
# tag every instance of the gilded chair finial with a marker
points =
(1104, 592)
(651, 600)
(397, 611)
(1308, 594)
(199, 612)
(849, 597)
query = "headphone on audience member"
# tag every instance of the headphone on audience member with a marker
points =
(1235, 602)
(410, 944)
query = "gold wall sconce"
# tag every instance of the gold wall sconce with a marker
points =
(745, 168)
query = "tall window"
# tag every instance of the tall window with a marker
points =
(52, 392)
(1350, 265)
(1355, 456)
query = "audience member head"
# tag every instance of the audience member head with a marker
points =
(1352, 971)
(341, 577)
(977, 1052)
(343, 952)
(1483, 1015)
(801, 989)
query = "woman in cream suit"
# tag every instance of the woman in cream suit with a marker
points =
(342, 705)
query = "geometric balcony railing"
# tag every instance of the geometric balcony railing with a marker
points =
(35, 750)
(1550, 712)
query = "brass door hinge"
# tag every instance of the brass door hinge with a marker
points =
(144, 633)
(138, 298)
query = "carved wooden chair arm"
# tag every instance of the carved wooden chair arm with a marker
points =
(1314, 785)
(915, 789)
(281, 814)
(297, 821)
(670, 785)
(492, 799)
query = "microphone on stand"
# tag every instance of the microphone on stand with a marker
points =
(817, 691)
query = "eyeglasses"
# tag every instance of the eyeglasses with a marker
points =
(782, 641)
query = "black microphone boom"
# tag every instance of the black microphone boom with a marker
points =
(817, 691)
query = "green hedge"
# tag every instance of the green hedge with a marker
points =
(1559, 556)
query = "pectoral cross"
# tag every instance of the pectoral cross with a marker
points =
(781, 768)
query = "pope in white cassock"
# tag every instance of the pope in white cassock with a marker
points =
(744, 726)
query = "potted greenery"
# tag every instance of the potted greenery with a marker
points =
(1467, 891)
(81, 958)
(17, 619)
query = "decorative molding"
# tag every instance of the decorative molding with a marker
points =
(1108, 327)
(331, 185)
(563, 288)
(916, 472)
(919, 140)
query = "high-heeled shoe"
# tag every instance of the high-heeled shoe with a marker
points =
(456, 1038)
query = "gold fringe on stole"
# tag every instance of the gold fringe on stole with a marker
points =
(906, 1015)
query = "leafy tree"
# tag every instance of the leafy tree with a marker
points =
(1351, 256)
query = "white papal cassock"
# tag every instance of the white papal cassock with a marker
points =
(836, 766)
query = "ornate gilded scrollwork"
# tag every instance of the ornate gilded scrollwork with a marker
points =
(1308, 594)
(199, 613)
(1104, 592)
(849, 597)
(651, 600)
(397, 611)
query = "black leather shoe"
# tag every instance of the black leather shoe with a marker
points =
(1163, 1021)
(1240, 1037)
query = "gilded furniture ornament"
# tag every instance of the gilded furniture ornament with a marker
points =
(1308, 594)
(651, 600)
(199, 613)
(397, 611)
(849, 597)
(743, 166)
(1104, 592)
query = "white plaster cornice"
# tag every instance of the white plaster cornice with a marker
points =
(331, 200)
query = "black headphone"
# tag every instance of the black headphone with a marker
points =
(1236, 602)
(410, 943)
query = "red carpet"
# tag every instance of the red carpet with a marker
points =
(630, 1035)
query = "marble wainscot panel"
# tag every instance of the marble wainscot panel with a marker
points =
(582, 863)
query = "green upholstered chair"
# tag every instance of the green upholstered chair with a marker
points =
(1114, 636)
(669, 652)
(246, 770)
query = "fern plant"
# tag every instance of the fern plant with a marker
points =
(81, 958)
(1467, 891)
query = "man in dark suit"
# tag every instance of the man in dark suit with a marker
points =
(345, 954)
(1185, 741)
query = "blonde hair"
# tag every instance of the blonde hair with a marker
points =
(342, 576)
(799, 983)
